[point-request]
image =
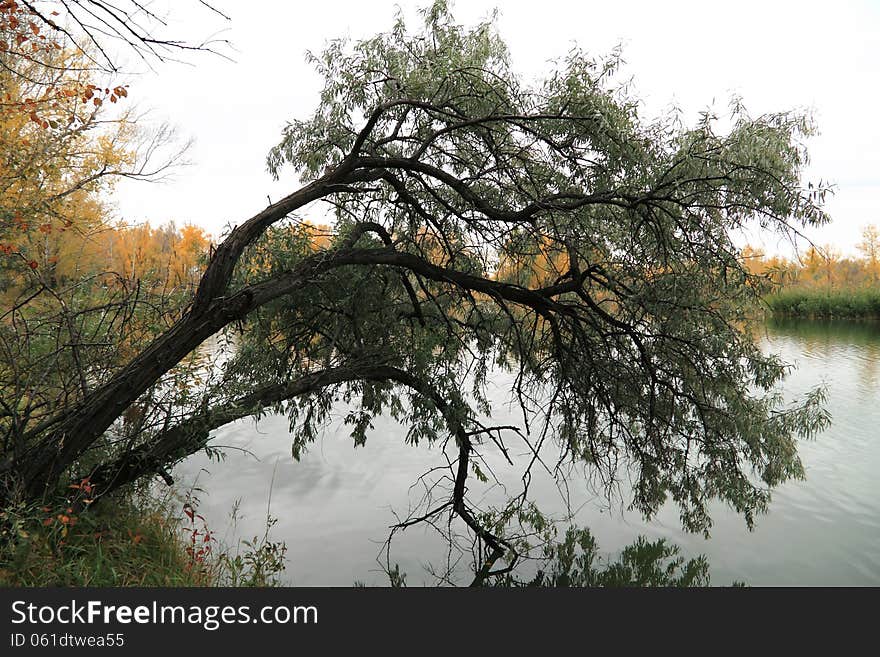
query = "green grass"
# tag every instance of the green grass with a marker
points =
(130, 539)
(125, 541)
(863, 303)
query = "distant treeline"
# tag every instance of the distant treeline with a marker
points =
(167, 257)
(822, 283)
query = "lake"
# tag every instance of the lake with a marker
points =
(335, 505)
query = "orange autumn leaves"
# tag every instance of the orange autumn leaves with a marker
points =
(52, 82)
(820, 267)
(164, 258)
(58, 151)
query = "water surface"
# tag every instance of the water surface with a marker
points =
(334, 507)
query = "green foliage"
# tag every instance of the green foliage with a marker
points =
(259, 564)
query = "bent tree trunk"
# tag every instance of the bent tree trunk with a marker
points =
(59, 441)
(62, 439)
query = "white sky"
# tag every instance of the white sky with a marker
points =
(777, 55)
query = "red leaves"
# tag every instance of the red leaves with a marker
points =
(24, 35)
(12, 249)
(66, 518)
(20, 223)
(117, 92)
(200, 538)
(84, 486)
(10, 7)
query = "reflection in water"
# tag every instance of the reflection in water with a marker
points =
(850, 343)
(335, 505)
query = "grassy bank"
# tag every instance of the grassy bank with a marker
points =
(862, 303)
(130, 540)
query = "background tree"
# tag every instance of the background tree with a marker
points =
(813, 265)
(60, 297)
(483, 224)
(870, 248)
(830, 259)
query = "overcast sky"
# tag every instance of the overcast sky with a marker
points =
(776, 55)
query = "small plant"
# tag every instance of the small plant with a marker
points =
(61, 517)
(260, 564)
(396, 578)
(199, 545)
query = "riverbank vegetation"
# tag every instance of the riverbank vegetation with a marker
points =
(480, 221)
(132, 541)
(132, 538)
(857, 303)
(822, 283)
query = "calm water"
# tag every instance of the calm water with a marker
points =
(335, 505)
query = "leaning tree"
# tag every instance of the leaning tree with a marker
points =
(481, 223)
